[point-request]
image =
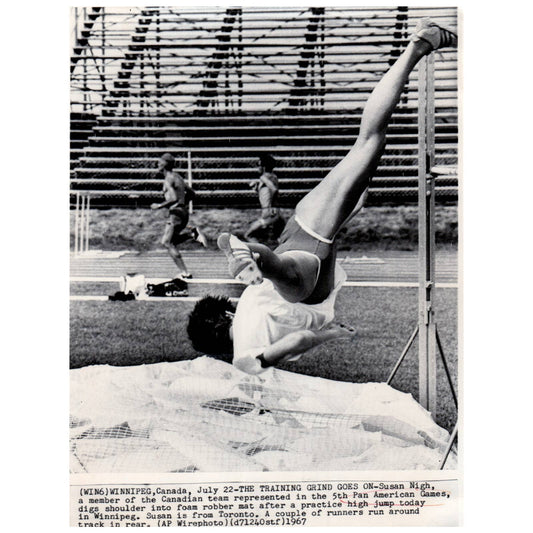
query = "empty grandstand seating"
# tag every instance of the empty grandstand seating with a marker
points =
(216, 87)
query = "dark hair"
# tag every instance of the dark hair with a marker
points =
(209, 327)
(168, 159)
(267, 161)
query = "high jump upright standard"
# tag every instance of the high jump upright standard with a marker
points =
(428, 338)
(81, 222)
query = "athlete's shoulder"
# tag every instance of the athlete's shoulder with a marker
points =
(176, 176)
(174, 181)
(274, 178)
(271, 175)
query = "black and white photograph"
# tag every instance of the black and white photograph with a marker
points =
(265, 265)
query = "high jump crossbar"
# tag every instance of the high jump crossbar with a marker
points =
(426, 329)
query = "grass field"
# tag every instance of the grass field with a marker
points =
(143, 332)
(383, 227)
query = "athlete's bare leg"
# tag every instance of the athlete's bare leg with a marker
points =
(326, 208)
(173, 251)
(254, 226)
(293, 273)
(178, 260)
(293, 277)
(341, 193)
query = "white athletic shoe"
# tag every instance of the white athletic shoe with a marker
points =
(241, 262)
(200, 237)
(437, 36)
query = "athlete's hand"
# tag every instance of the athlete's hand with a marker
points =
(154, 206)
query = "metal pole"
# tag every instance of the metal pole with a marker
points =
(87, 221)
(430, 236)
(103, 61)
(76, 223)
(449, 447)
(82, 223)
(426, 238)
(85, 87)
(447, 370)
(189, 177)
(402, 357)
(75, 26)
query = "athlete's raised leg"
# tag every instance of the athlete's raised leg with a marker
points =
(324, 210)
(328, 206)
(293, 276)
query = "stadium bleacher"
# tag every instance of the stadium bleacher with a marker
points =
(216, 87)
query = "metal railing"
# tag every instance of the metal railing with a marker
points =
(202, 82)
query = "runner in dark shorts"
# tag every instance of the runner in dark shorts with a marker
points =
(178, 218)
(177, 193)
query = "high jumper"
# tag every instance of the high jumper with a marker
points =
(288, 306)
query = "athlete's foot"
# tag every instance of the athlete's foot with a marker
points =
(344, 331)
(199, 236)
(433, 34)
(241, 262)
(185, 275)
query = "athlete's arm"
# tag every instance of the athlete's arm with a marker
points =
(300, 342)
(189, 193)
(171, 195)
(168, 203)
(268, 182)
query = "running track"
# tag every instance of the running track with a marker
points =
(382, 268)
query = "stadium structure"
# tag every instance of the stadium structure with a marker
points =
(218, 86)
